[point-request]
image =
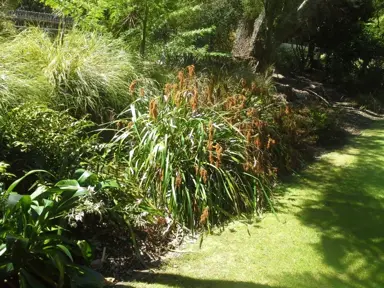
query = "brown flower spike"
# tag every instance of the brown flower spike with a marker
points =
(153, 109)
(204, 216)
(132, 86)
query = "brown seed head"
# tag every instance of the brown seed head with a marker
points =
(258, 143)
(161, 175)
(204, 216)
(249, 136)
(219, 152)
(191, 70)
(287, 110)
(194, 100)
(204, 175)
(179, 181)
(180, 76)
(167, 88)
(132, 86)
(196, 170)
(153, 109)
(211, 160)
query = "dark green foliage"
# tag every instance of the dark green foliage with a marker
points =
(35, 137)
(177, 32)
(35, 247)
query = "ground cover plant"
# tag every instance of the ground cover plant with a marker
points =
(203, 152)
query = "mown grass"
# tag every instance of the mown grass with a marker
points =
(329, 232)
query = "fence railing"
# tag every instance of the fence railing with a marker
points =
(23, 16)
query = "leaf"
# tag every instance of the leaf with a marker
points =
(18, 247)
(108, 184)
(48, 203)
(69, 202)
(85, 249)
(60, 265)
(78, 173)
(71, 185)
(43, 270)
(14, 184)
(65, 250)
(3, 249)
(24, 200)
(38, 192)
(38, 209)
(28, 280)
(133, 110)
(13, 199)
(87, 178)
(84, 277)
(6, 269)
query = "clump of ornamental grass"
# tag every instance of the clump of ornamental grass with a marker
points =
(84, 73)
(92, 74)
(22, 60)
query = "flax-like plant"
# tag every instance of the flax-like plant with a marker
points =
(187, 162)
(189, 159)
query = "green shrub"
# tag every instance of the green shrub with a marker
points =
(35, 247)
(35, 137)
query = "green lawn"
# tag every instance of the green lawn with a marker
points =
(330, 232)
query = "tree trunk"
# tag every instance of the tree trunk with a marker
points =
(311, 54)
(246, 38)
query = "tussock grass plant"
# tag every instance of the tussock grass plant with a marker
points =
(187, 163)
(198, 159)
(80, 72)
(22, 61)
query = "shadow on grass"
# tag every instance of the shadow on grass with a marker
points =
(349, 212)
(173, 280)
(304, 280)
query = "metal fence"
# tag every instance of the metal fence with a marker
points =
(24, 18)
